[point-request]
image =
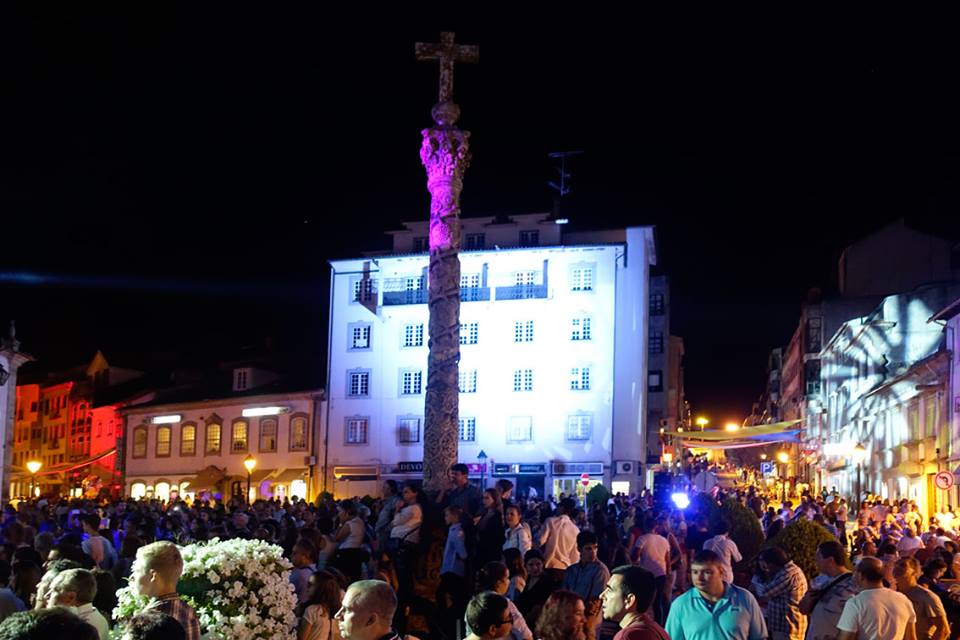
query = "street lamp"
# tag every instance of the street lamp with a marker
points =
(33, 466)
(249, 462)
(482, 459)
(784, 458)
(732, 426)
(702, 422)
(859, 455)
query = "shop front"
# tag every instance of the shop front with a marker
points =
(528, 478)
(575, 479)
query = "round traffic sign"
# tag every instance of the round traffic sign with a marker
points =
(584, 479)
(944, 480)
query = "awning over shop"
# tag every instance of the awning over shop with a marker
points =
(289, 475)
(909, 469)
(205, 479)
(259, 475)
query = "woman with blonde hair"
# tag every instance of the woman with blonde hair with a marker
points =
(564, 617)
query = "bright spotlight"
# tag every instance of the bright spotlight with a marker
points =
(682, 500)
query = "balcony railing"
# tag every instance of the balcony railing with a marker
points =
(415, 296)
(474, 294)
(522, 292)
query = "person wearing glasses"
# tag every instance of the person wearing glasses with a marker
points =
(488, 616)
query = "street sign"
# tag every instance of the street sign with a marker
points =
(766, 468)
(944, 480)
(584, 479)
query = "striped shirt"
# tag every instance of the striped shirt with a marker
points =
(173, 606)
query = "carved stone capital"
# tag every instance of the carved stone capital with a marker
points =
(445, 154)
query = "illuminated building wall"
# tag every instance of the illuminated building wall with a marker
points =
(553, 365)
(665, 375)
(168, 445)
(885, 379)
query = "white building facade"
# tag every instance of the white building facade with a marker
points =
(553, 367)
(885, 383)
(192, 448)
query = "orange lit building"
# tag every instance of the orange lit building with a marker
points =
(70, 423)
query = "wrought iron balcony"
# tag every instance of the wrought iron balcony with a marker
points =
(522, 292)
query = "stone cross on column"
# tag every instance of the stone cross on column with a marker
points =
(447, 53)
(445, 154)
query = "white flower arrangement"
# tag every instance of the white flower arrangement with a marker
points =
(240, 589)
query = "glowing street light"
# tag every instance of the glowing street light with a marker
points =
(33, 466)
(250, 463)
(783, 457)
(732, 426)
(702, 422)
(763, 456)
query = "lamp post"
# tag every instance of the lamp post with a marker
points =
(482, 459)
(859, 455)
(702, 422)
(33, 466)
(249, 462)
(784, 458)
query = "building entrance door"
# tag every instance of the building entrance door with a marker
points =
(525, 483)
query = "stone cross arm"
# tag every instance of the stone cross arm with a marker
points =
(447, 53)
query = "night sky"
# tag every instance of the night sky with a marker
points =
(190, 173)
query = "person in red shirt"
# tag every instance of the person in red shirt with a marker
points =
(626, 599)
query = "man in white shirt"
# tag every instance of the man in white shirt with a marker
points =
(652, 552)
(909, 543)
(559, 540)
(723, 546)
(876, 612)
(76, 588)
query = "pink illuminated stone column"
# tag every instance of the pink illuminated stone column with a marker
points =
(445, 154)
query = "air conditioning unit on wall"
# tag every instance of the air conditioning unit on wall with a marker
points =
(626, 468)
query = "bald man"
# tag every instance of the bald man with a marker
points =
(876, 612)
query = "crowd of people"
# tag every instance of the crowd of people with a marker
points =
(484, 563)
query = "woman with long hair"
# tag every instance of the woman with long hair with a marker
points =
(490, 528)
(324, 598)
(405, 540)
(494, 576)
(563, 617)
(518, 573)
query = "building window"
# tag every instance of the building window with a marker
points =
(213, 439)
(239, 437)
(913, 422)
(523, 380)
(580, 328)
(520, 429)
(411, 383)
(298, 433)
(655, 381)
(421, 244)
(241, 379)
(408, 430)
(580, 379)
(469, 332)
(523, 331)
(163, 441)
(413, 335)
(656, 304)
(468, 429)
(359, 336)
(356, 430)
(468, 381)
(579, 427)
(581, 278)
(358, 383)
(656, 342)
(188, 440)
(363, 290)
(268, 435)
(475, 241)
(530, 238)
(814, 336)
(140, 442)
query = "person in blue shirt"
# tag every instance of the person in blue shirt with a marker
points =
(454, 591)
(713, 609)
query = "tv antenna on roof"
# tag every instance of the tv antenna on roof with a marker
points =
(562, 187)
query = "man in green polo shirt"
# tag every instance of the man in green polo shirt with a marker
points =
(713, 609)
